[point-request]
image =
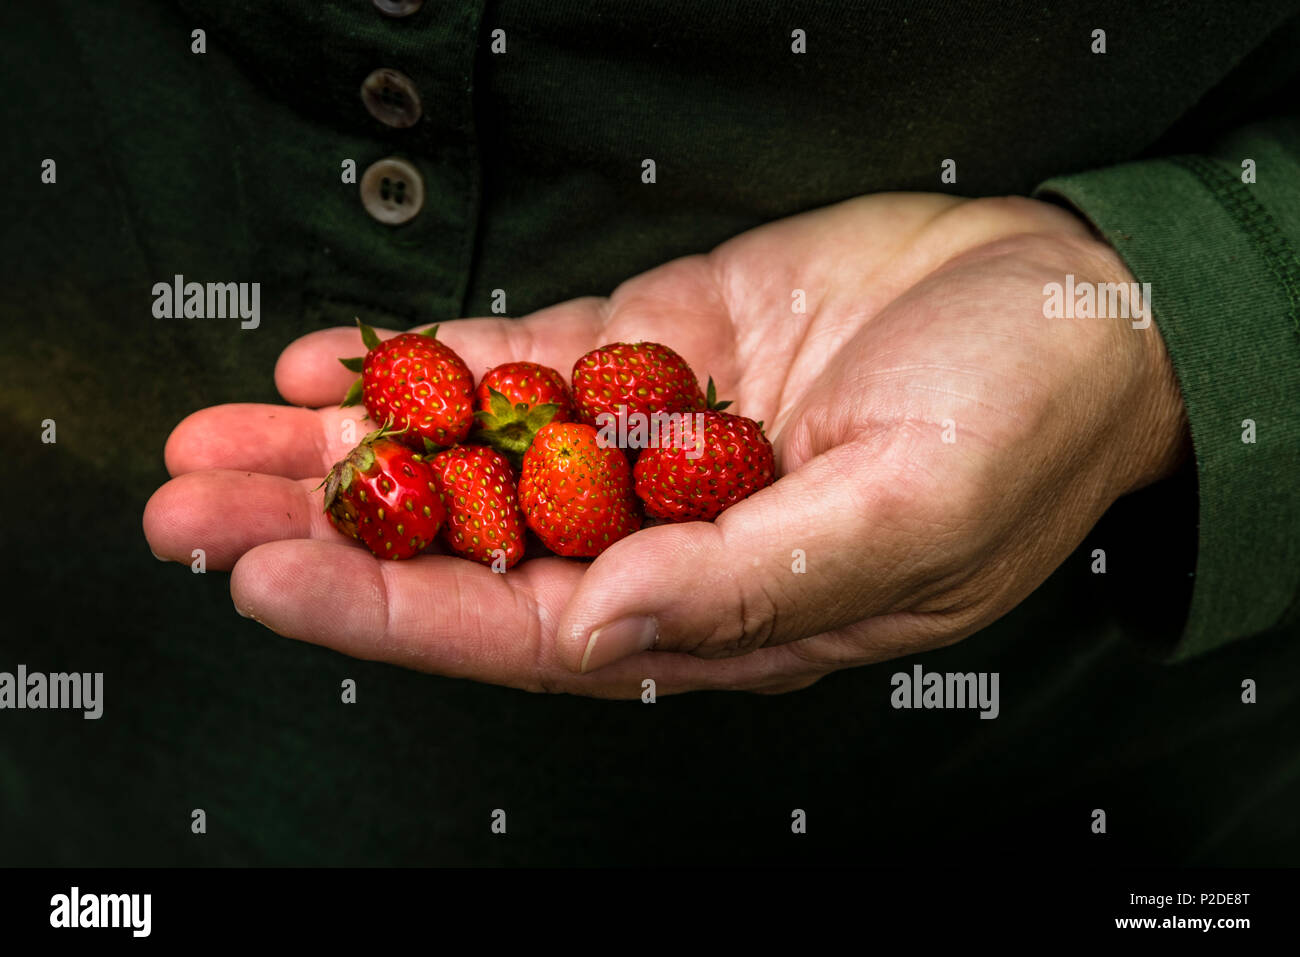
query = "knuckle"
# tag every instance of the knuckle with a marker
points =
(546, 678)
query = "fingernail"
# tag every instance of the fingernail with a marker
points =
(156, 555)
(246, 614)
(618, 640)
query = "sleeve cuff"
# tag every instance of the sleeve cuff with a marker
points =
(1221, 258)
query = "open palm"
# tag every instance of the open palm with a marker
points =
(941, 448)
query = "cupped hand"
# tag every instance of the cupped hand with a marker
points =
(941, 447)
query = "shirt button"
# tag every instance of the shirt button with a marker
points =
(397, 8)
(392, 191)
(391, 98)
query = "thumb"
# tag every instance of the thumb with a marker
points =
(787, 563)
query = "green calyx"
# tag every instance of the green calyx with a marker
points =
(368, 335)
(359, 460)
(357, 364)
(364, 446)
(510, 429)
(338, 480)
(711, 398)
(353, 396)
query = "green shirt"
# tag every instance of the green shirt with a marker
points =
(229, 165)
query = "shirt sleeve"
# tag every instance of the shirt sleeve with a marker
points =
(1216, 235)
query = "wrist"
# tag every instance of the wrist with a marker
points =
(1160, 435)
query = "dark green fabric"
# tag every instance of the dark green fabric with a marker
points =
(225, 167)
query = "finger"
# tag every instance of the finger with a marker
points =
(813, 553)
(270, 439)
(226, 513)
(447, 616)
(308, 371)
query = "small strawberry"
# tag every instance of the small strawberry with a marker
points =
(477, 488)
(729, 459)
(416, 384)
(642, 377)
(576, 495)
(514, 400)
(383, 494)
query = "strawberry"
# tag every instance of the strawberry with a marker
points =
(730, 459)
(642, 377)
(529, 384)
(414, 384)
(477, 488)
(383, 494)
(576, 495)
(514, 400)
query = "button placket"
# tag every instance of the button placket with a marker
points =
(392, 190)
(426, 189)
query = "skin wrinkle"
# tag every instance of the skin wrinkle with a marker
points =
(730, 637)
(972, 399)
(812, 335)
(794, 655)
(845, 464)
(710, 644)
(720, 275)
(708, 282)
(380, 584)
(937, 529)
(769, 619)
(605, 309)
(910, 243)
(322, 443)
(1052, 543)
(466, 619)
(593, 317)
(873, 640)
(787, 406)
(543, 655)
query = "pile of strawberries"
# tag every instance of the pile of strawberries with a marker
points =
(479, 466)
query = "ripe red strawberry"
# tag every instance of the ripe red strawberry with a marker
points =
(528, 383)
(477, 488)
(383, 494)
(415, 385)
(730, 459)
(576, 495)
(514, 400)
(643, 377)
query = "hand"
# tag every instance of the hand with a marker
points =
(924, 322)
